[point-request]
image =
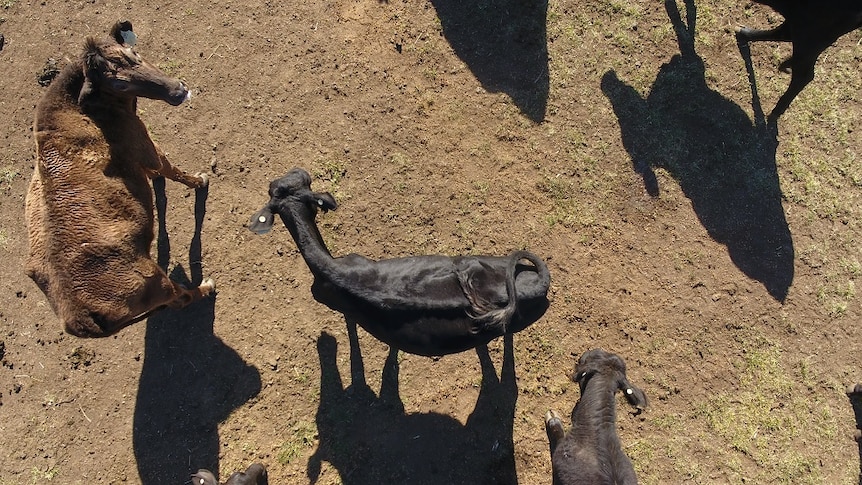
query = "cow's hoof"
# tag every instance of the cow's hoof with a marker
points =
(207, 287)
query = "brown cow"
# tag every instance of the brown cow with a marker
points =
(89, 207)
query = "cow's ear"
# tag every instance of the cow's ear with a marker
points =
(94, 62)
(634, 395)
(203, 477)
(583, 374)
(123, 34)
(261, 222)
(95, 65)
(325, 201)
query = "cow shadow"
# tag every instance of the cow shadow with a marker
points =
(370, 439)
(723, 161)
(504, 44)
(190, 380)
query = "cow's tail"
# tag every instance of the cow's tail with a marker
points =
(501, 316)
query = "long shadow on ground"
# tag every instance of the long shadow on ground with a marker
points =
(724, 162)
(190, 381)
(504, 43)
(369, 439)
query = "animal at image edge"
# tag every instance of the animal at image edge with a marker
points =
(254, 475)
(811, 26)
(89, 207)
(426, 305)
(591, 452)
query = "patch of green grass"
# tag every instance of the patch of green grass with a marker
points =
(479, 194)
(401, 163)
(301, 376)
(4, 239)
(39, 475)
(560, 191)
(852, 266)
(820, 148)
(640, 451)
(431, 73)
(762, 418)
(302, 438)
(836, 297)
(565, 193)
(688, 470)
(539, 347)
(331, 171)
(171, 67)
(836, 286)
(7, 175)
(628, 9)
(667, 421)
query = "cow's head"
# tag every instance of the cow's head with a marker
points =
(291, 190)
(612, 367)
(112, 67)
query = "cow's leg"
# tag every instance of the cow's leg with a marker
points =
(554, 428)
(197, 181)
(37, 253)
(183, 296)
(159, 291)
(782, 33)
(802, 72)
(88, 318)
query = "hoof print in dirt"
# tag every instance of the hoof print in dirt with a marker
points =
(81, 357)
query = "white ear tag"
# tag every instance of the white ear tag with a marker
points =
(129, 37)
(262, 218)
(629, 392)
(320, 202)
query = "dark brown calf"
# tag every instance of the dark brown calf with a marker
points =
(89, 207)
(254, 475)
(591, 453)
(811, 26)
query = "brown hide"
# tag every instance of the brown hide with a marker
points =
(89, 207)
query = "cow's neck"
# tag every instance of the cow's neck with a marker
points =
(62, 97)
(105, 109)
(304, 230)
(597, 406)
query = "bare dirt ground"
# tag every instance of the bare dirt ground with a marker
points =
(618, 140)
